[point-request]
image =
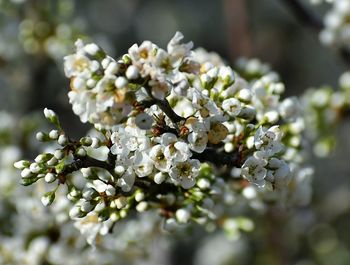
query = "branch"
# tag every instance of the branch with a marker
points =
(164, 105)
(305, 15)
(218, 158)
(315, 22)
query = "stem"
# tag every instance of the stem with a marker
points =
(164, 105)
(313, 21)
(218, 158)
(305, 15)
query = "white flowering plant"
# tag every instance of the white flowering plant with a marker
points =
(174, 132)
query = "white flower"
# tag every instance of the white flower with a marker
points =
(198, 141)
(158, 157)
(185, 173)
(254, 170)
(280, 172)
(144, 121)
(290, 108)
(175, 150)
(79, 65)
(160, 89)
(143, 165)
(127, 180)
(268, 141)
(178, 50)
(232, 106)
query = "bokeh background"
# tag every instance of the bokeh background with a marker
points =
(36, 34)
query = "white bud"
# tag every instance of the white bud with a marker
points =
(75, 212)
(95, 142)
(89, 193)
(58, 154)
(62, 140)
(87, 172)
(159, 177)
(49, 114)
(203, 183)
(26, 173)
(22, 164)
(112, 68)
(110, 191)
(121, 82)
(50, 177)
(132, 72)
(121, 202)
(142, 206)
(244, 94)
(53, 134)
(183, 215)
(40, 158)
(271, 116)
(40, 136)
(81, 152)
(91, 49)
(34, 168)
(48, 198)
(52, 162)
(86, 206)
(91, 83)
(139, 196)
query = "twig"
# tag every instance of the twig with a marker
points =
(305, 15)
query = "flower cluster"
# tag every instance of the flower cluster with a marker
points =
(177, 131)
(324, 110)
(336, 30)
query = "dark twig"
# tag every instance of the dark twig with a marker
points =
(315, 22)
(164, 105)
(305, 15)
(218, 158)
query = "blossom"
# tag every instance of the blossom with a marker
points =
(185, 173)
(268, 141)
(254, 170)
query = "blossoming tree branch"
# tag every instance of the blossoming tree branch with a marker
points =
(175, 131)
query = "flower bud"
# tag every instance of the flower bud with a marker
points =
(42, 137)
(86, 141)
(34, 168)
(52, 162)
(59, 154)
(121, 202)
(183, 215)
(54, 134)
(50, 177)
(121, 82)
(139, 196)
(95, 142)
(26, 173)
(132, 72)
(22, 164)
(142, 206)
(51, 116)
(159, 177)
(48, 198)
(62, 140)
(87, 206)
(81, 152)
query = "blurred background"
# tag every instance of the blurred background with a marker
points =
(36, 34)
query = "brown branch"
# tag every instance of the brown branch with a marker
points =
(164, 105)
